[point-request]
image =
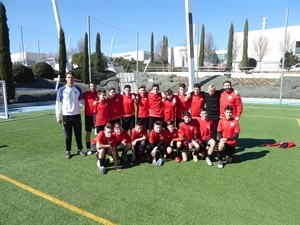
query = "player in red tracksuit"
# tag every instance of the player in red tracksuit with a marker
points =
(206, 140)
(197, 100)
(128, 119)
(101, 111)
(115, 106)
(156, 143)
(183, 103)
(123, 141)
(228, 133)
(189, 132)
(139, 140)
(232, 98)
(169, 105)
(173, 140)
(143, 106)
(155, 106)
(90, 98)
(106, 144)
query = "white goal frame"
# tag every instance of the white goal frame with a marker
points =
(3, 101)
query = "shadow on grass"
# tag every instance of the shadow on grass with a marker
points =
(3, 146)
(246, 143)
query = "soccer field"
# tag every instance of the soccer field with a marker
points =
(39, 186)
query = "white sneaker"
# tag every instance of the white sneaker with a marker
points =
(102, 170)
(220, 164)
(208, 161)
(89, 151)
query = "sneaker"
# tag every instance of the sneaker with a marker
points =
(195, 158)
(220, 164)
(177, 159)
(89, 151)
(159, 162)
(208, 161)
(82, 153)
(124, 157)
(68, 155)
(102, 170)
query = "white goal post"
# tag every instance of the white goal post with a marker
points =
(3, 101)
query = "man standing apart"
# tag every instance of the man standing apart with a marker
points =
(90, 99)
(68, 101)
(232, 98)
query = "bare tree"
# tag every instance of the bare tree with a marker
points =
(159, 48)
(209, 46)
(261, 48)
(80, 45)
(236, 49)
(184, 52)
(289, 43)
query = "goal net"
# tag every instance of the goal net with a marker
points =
(3, 100)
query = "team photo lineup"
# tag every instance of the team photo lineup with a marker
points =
(155, 125)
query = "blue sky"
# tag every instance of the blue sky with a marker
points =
(123, 19)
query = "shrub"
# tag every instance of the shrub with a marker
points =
(23, 74)
(43, 70)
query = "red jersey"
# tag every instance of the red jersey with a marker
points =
(128, 105)
(105, 140)
(169, 110)
(182, 105)
(136, 135)
(188, 130)
(171, 136)
(89, 98)
(101, 110)
(228, 128)
(156, 137)
(115, 106)
(123, 137)
(155, 105)
(143, 106)
(197, 103)
(204, 129)
(230, 98)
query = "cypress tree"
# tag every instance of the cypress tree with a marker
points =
(98, 53)
(5, 59)
(244, 62)
(152, 48)
(201, 52)
(85, 73)
(230, 48)
(62, 58)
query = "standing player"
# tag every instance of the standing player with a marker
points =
(232, 98)
(197, 100)
(68, 101)
(101, 111)
(182, 103)
(155, 106)
(90, 98)
(169, 105)
(128, 119)
(143, 106)
(115, 106)
(228, 133)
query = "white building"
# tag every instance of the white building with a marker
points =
(270, 62)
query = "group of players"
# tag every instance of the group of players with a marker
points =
(154, 125)
(158, 125)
